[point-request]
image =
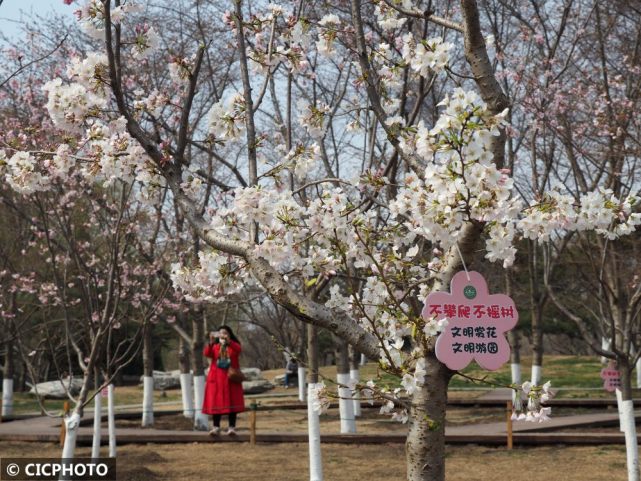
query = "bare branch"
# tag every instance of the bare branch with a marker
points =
(427, 15)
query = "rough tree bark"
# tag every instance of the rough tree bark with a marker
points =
(425, 447)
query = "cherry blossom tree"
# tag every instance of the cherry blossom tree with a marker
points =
(91, 278)
(374, 153)
(576, 78)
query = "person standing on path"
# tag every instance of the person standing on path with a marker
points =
(291, 372)
(222, 395)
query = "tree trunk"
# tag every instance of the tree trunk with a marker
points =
(7, 382)
(302, 372)
(111, 420)
(345, 401)
(312, 353)
(605, 345)
(186, 379)
(22, 377)
(313, 419)
(514, 339)
(201, 421)
(628, 420)
(425, 446)
(313, 434)
(97, 417)
(72, 423)
(354, 373)
(536, 312)
(148, 377)
(537, 346)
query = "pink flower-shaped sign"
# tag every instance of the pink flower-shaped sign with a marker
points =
(611, 377)
(477, 323)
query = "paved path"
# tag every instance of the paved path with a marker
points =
(42, 428)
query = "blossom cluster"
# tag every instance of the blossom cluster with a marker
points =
(328, 31)
(301, 159)
(217, 270)
(278, 37)
(227, 118)
(388, 18)
(599, 210)
(91, 16)
(426, 56)
(533, 411)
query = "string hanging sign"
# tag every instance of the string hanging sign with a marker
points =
(477, 323)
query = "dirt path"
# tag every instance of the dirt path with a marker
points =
(288, 462)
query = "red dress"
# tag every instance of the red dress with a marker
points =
(221, 395)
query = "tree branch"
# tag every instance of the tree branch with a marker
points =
(479, 62)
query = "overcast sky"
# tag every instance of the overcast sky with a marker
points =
(11, 11)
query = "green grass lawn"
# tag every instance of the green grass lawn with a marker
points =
(126, 395)
(572, 374)
(562, 371)
(576, 376)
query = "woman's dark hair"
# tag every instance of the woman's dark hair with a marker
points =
(232, 336)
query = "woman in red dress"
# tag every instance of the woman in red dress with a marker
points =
(221, 395)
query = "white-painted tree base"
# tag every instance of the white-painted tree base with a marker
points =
(97, 414)
(516, 373)
(619, 395)
(147, 401)
(201, 421)
(639, 373)
(346, 405)
(187, 393)
(313, 430)
(605, 345)
(363, 360)
(111, 420)
(516, 378)
(537, 374)
(631, 444)
(302, 375)
(354, 374)
(72, 423)
(7, 396)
